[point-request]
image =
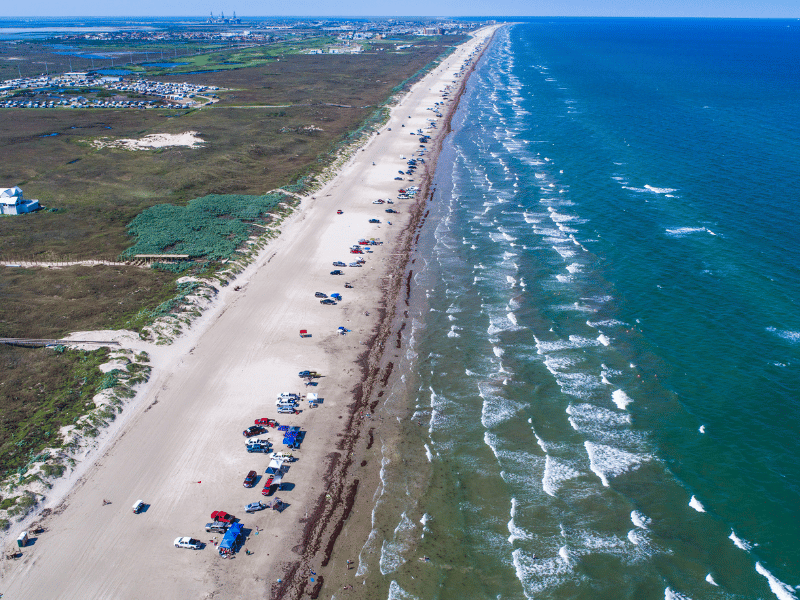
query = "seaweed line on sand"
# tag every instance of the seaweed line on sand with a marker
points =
(334, 507)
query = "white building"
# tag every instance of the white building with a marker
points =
(12, 202)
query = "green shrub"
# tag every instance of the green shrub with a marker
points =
(213, 226)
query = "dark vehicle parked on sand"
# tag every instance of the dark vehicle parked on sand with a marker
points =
(254, 430)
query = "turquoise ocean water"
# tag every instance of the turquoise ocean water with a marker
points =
(604, 353)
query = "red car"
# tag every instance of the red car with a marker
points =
(250, 480)
(254, 430)
(267, 487)
(222, 516)
(267, 422)
(339, 212)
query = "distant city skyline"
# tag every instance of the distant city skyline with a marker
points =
(420, 8)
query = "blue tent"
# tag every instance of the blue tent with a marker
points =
(229, 540)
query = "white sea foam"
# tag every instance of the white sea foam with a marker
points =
(710, 580)
(702, 429)
(575, 268)
(603, 339)
(786, 334)
(564, 278)
(498, 352)
(516, 532)
(590, 416)
(607, 462)
(537, 575)
(428, 453)
(621, 399)
(697, 505)
(556, 472)
(640, 520)
(398, 593)
(739, 542)
(495, 408)
(604, 323)
(656, 190)
(781, 590)
(392, 550)
(670, 594)
(684, 231)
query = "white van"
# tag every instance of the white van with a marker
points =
(138, 506)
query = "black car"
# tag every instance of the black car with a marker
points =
(391, 210)
(398, 179)
(337, 272)
(327, 301)
(372, 221)
(401, 173)
(320, 295)
(254, 430)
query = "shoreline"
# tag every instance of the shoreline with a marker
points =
(211, 377)
(378, 371)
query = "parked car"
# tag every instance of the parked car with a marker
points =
(391, 210)
(287, 409)
(337, 272)
(356, 264)
(308, 374)
(339, 212)
(328, 301)
(250, 480)
(339, 263)
(217, 527)
(254, 506)
(187, 542)
(374, 220)
(320, 295)
(377, 201)
(222, 516)
(398, 179)
(254, 430)
(267, 422)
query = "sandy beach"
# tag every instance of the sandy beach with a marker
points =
(179, 446)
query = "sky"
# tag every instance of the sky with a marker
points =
(394, 8)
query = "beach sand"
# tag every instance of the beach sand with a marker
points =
(179, 445)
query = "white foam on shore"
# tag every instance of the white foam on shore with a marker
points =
(556, 472)
(607, 462)
(428, 453)
(697, 505)
(621, 399)
(537, 575)
(640, 520)
(516, 532)
(739, 542)
(392, 550)
(398, 593)
(781, 590)
(670, 594)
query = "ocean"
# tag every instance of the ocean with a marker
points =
(599, 393)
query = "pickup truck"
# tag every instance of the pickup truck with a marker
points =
(339, 263)
(337, 272)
